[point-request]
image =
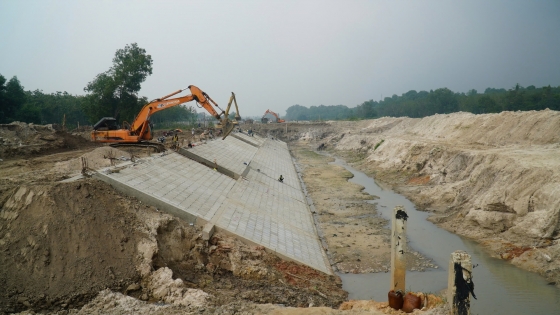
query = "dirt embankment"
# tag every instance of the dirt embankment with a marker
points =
(60, 244)
(493, 177)
(23, 140)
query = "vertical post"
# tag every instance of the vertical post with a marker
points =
(460, 283)
(398, 248)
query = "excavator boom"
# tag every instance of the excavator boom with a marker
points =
(106, 130)
(229, 126)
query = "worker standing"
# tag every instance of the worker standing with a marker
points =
(281, 179)
(175, 141)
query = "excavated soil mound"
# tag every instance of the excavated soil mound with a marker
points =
(230, 271)
(25, 140)
(62, 244)
(497, 171)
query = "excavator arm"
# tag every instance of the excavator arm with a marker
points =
(140, 129)
(164, 103)
(232, 99)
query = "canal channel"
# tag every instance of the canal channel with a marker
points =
(500, 287)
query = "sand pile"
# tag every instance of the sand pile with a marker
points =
(19, 139)
(491, 176)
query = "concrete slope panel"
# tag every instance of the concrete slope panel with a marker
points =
(271, 219)
(180, 182)
(274, 185)
(256, 141)
(277, 143)
(230, 153)
(256, 207)
(274, 160)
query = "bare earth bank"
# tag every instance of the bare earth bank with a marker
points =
(494, 178)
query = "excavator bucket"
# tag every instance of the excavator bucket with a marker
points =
(227, 127)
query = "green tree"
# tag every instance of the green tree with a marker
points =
(366, 110)
(412, 94)
(12, 99)
(3, 104)
(515, 98)
(550, 98)
(115, 92)
(174, 116)
(472, 92)
(297, 112)
(44, 108)
(494, 91)
(487, 104)
(30, 114)
(444, 101)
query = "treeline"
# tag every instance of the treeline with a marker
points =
(113, 93)
(441, 101)
(38, 107)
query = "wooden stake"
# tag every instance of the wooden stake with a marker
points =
(460, 284)
(398, 249)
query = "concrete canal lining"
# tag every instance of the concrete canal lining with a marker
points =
(242, 197)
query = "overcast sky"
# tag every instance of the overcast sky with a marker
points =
(274, 54)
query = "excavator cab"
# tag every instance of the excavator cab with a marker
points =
(106, 123)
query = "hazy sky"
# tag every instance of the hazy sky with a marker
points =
(274, 54)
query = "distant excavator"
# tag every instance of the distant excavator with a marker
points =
(140, 131)
(276, 118)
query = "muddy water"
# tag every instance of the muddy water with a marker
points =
(500, 287)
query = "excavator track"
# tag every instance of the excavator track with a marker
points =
(157, 147)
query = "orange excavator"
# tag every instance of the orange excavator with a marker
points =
(276, 119)
(140, 131)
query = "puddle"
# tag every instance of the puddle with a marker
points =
(500, 287)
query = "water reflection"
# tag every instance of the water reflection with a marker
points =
(501, 288)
